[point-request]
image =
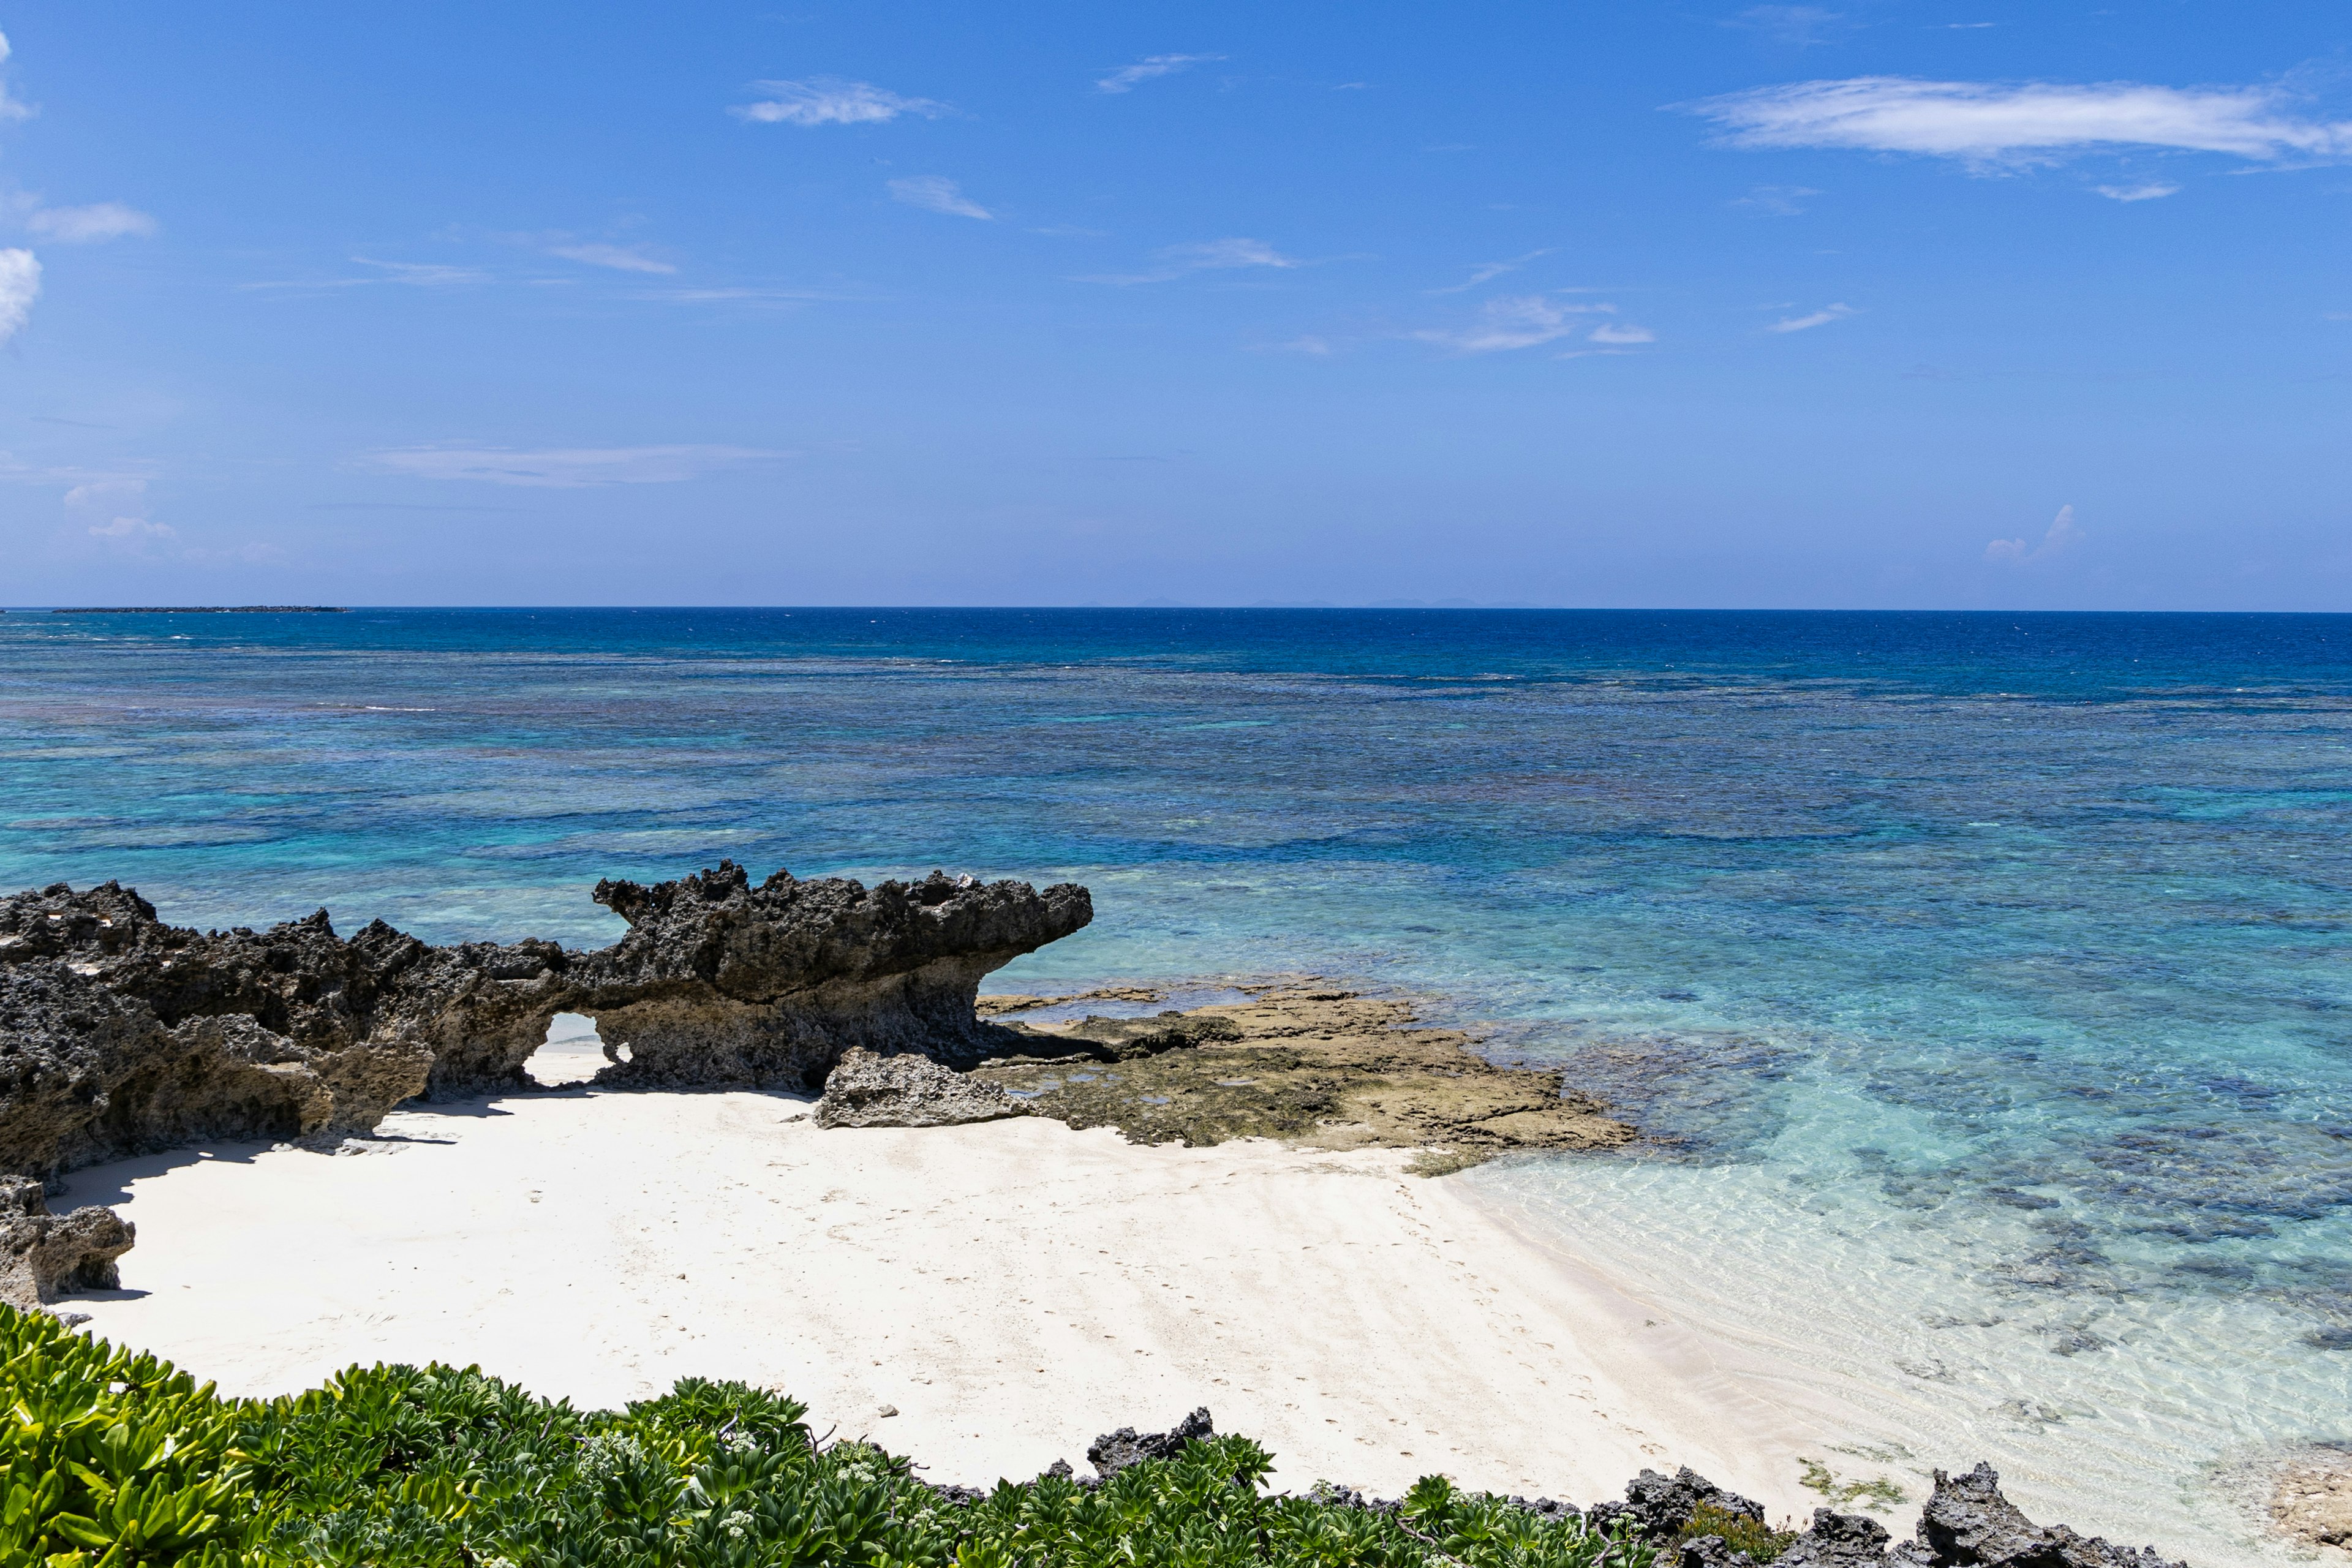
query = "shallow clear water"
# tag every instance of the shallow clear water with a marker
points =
(1967, 967)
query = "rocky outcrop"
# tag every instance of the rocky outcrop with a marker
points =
(2310, 1502)
(722, 983)
(1302, 1063)
(1114, 1451)
(45, 1256)
(1660, 1506)
(120, 1035)
(865, 1090)
(1968, 1522)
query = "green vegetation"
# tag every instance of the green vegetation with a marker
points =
(1877, 1495)
(1738, 1531)
(114, 1460)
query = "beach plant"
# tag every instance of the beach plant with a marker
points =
(117, 1460)
(1739, 1531)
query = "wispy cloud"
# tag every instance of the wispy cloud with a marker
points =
(1997, 123)
(1820, 317)
(20, 285)
(412, 274)
(87, 225)
(1516, 322)
(1125, 79)
(1621, 333)
(564, 467)
(830, 100)
(937, 194)
(1487, 271)
(1208, 256)
(9, 108)
(1800, 26)
(2147, 193)
(620, 257)
(2063, 534)
(1778, 201)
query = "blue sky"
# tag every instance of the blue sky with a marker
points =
(1860, 303)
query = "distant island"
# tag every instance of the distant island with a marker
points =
(204, 610)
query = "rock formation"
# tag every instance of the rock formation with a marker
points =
(44, 1256)
(865, 1090)
(2312, 1500)
(120, 1035)
(1660, 1506)
(722, 983)
(1114, 1451)
(1302, 1063)
(1967, 1523)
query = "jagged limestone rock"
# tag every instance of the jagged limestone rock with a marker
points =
(1114, 1451)
(865, 1089)
(44, 1256)
(120, 1035)
(1968, 1522)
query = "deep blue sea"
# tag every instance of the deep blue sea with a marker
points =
(1985, 980)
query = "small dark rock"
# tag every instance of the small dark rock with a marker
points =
(1114, 1451)
(1711, 1552)
(1837, 1541)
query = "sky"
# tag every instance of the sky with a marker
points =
(1876, 303)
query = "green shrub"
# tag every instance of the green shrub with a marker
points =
(1738, 1531)
(118, 1461)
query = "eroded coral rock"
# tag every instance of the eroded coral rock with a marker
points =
(1969, 1522)
(45, 1256)
(720, 983)
(1658, 1506)
(120, 1035)
(2312, 1500)
(1837, 1541)
(1114, 1451)
(867, 1090)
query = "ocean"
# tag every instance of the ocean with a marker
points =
(1983, 981)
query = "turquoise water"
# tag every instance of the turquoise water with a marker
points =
(1985, 980)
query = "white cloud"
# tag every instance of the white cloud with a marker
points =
(20, 285)
(1820, 317)
(85, 226)
(1208, 256)
(1616, 333)
(1780, 201)
(937, 194)
(2063, 534)
(1487, 271)
(829, 101)
(2147, 193)
(119, 507)
(1991, 122)
(1307, 343)
(9, 108)
(564, 467)
(620, 257)
(1514, 321)
(1124, 79)
(418, 274)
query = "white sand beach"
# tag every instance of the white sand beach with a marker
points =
(1010, 1289)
